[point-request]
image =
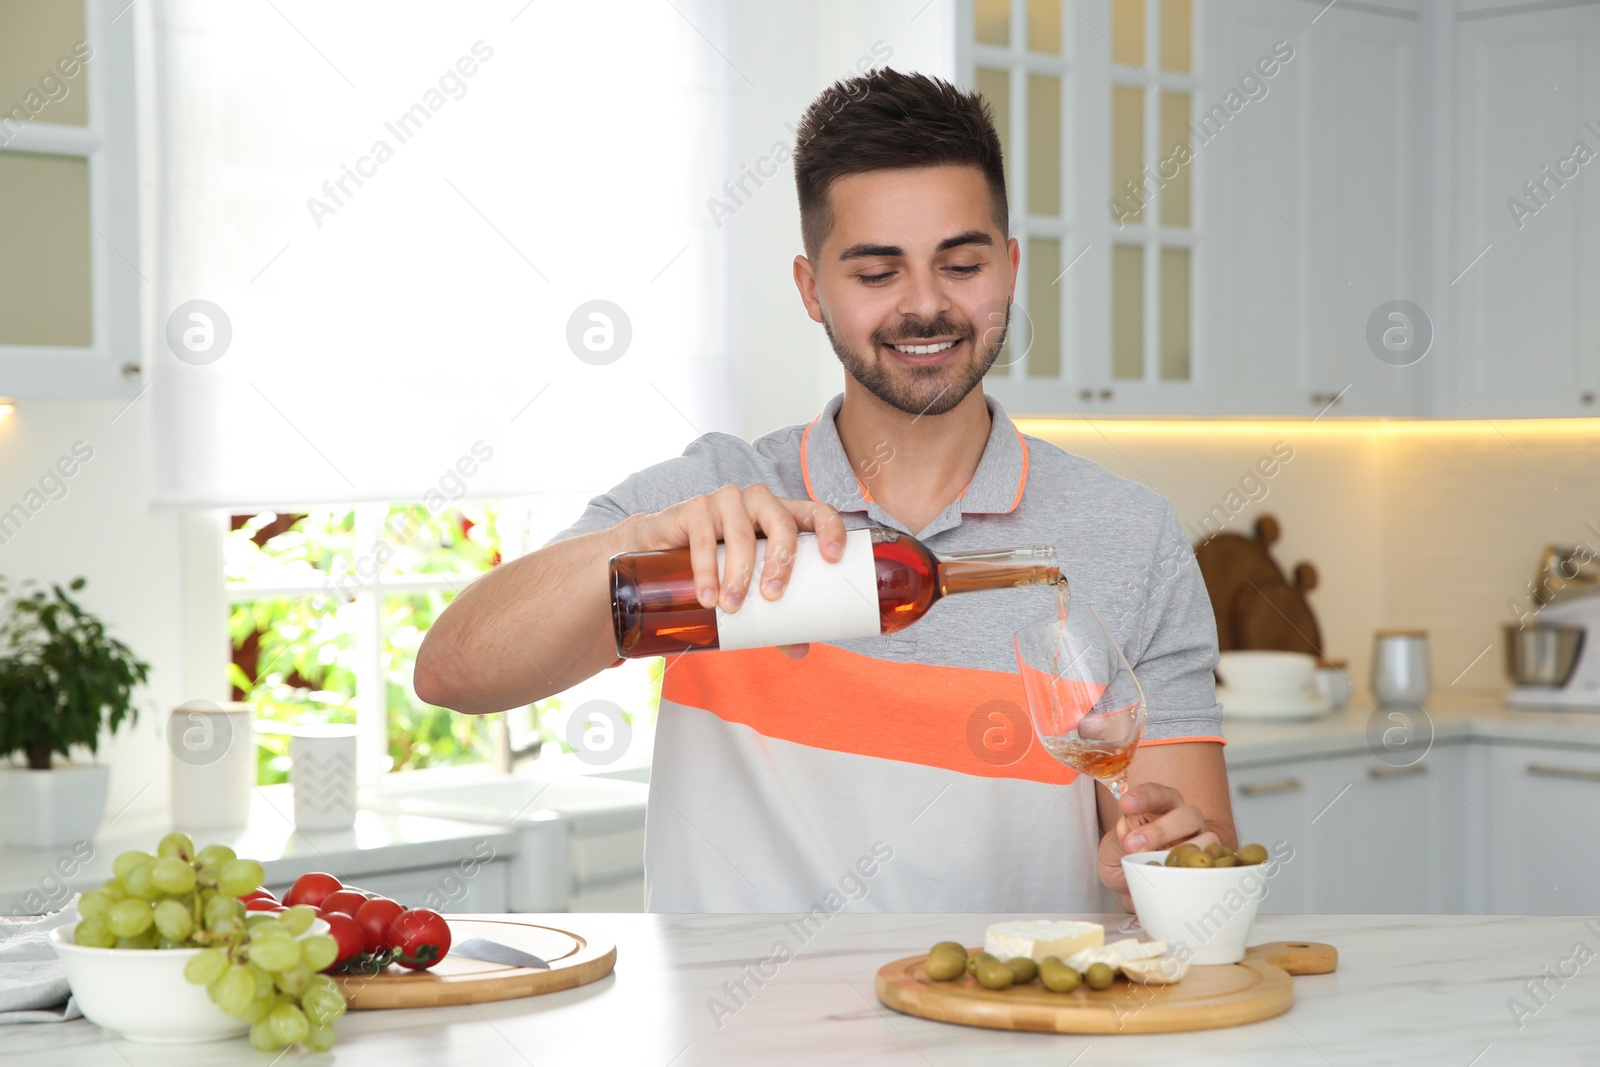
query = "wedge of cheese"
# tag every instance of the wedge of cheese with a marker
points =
(1035, 939)
(1129, 949)
(1163, 971)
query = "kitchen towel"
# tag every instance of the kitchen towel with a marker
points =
(33, 980)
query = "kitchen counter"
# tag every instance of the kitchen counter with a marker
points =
(1359, 729)
(1409, 989)
(38, 880)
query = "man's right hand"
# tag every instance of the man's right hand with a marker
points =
(736, 517)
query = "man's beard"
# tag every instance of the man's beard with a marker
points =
(927, 393)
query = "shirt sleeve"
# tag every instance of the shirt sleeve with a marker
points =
(1180, 646)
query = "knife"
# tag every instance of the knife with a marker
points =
(481, 948)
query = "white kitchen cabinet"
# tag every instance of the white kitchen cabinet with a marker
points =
(1527, 326)
(482, 888)
(1540, 821)
(1368, 837)
(1271, 806)
(1309, 206)
(1377, 842)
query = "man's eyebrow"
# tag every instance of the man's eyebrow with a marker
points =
(872, 251)
(971, 237)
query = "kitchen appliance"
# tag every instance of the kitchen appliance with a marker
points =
(1552, 662)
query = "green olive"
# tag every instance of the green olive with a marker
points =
(1230, 860)
(976, 958)
(992, 974)
(1187, 846)
(1172, 858)
(943, 966)
(1152, 863)
(1197, 859)
(1099, 976)
(1058, 977)
(1216, 850)
(1250, 855)
(949, 946)
(1023, 969)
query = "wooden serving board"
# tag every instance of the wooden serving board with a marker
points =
(1207, 998)
(574, 960)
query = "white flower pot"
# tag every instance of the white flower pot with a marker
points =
(44, 809)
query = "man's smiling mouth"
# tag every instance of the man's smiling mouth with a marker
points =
(924, 349)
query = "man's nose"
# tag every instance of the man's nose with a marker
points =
(924, 298)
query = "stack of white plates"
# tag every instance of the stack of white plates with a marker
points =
(1269, 685)
(1257, 704)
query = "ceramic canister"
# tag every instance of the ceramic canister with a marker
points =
(324, 776)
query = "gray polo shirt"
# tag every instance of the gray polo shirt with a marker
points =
(778, 784)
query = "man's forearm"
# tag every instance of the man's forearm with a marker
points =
(526, 630)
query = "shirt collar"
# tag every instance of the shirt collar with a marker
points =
(996, 486)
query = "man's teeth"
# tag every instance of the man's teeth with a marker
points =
(922, 350)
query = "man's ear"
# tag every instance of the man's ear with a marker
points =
(1014, 248)
(805, 280)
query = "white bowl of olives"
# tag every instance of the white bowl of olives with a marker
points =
(1202, 902)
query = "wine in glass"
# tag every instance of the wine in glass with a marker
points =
(1086, 705)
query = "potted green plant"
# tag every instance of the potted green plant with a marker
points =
(62, 680)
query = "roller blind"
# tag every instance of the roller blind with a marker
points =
(405, 240)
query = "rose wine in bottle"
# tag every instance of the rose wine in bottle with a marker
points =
(885, 581)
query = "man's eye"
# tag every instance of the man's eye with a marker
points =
(873, 279)
(965, 271)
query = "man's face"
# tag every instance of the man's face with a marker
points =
(913, 284)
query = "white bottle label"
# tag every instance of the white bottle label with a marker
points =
(822, 601)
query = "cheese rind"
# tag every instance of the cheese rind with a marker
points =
(1037, 938)
(1165, 971)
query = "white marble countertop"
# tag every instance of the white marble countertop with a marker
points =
(1454, 718)
(1409, 989)
(33, 881)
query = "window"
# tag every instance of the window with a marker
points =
(328, 606)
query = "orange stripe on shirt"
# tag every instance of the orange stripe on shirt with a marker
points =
(962, 719)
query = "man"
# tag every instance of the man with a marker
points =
(782, 778)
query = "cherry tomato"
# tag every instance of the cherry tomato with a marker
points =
(374, 918)
(341, 900)
(420, 936)
(263, 904)
(344, 930)
(311, 889)
(258, 894)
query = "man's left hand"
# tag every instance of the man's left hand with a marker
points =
(1152, 817)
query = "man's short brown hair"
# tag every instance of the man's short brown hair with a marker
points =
(886, 120)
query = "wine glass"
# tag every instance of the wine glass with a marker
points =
(1086, 705)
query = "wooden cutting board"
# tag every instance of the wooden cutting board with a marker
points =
(574, 960)
(1207, 998)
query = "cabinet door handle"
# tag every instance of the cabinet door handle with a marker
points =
(1380, 773)
(1105, 394)
(1282, 785)
(1085, 394)
(1545, 770)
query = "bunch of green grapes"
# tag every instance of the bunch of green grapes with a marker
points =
(256, 966)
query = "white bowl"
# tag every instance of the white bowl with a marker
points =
(1204, 914)
(141, 993)
(1271, 672)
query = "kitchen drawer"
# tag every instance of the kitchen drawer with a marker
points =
(626, 894)
(1271, 806)
(444, 889)
(604, 857)
(1540, 823)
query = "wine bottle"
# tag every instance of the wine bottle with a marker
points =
(885, 581)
